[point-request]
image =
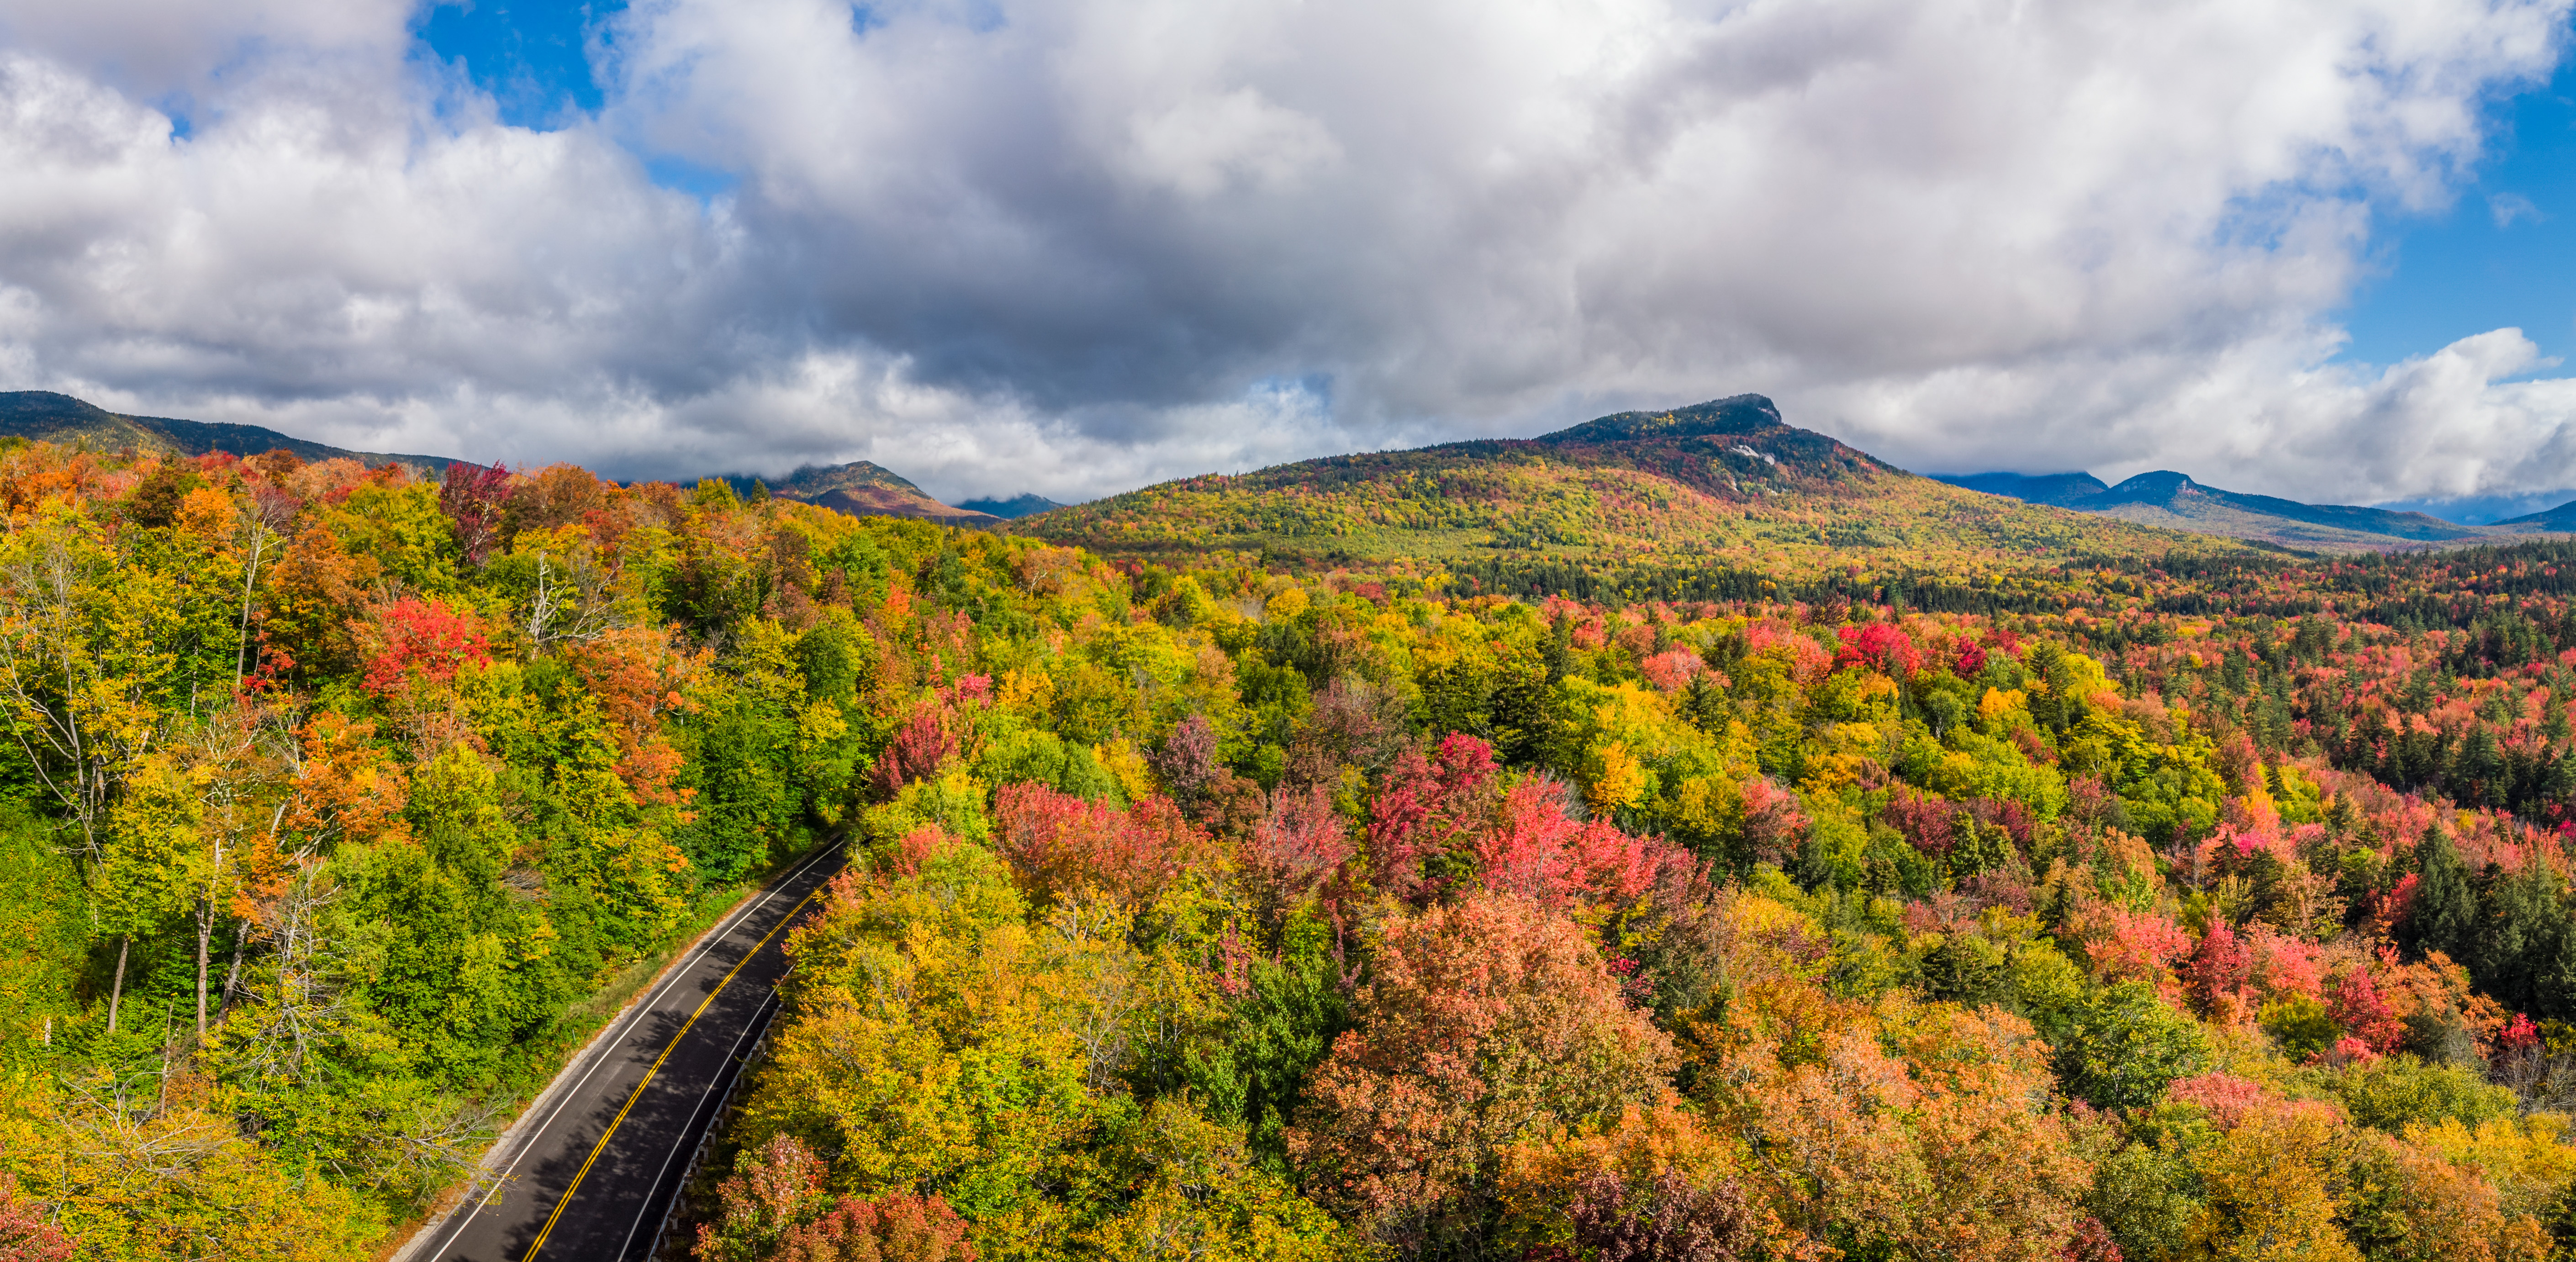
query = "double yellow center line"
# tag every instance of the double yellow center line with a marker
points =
(638, 1092)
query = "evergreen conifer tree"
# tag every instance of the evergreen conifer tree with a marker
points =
(2444, 916)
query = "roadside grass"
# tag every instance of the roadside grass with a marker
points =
(583, 1023)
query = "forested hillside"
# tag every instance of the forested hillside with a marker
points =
(44, 416)
(342, 804)
(1705, 501)
(2190, 906)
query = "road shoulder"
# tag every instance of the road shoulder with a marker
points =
(540, 1109)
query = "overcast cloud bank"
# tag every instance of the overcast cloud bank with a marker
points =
(1072, 247)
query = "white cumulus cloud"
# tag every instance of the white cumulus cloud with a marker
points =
(1074, 245)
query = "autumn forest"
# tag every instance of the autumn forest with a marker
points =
(2191, 903)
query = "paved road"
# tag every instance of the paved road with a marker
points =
(591, 1171)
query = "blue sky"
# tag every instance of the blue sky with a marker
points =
(531, 55)
(534, 58)
(2502, 255)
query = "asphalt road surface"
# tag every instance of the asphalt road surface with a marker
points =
(592, 1168)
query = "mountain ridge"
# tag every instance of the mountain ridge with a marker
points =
(1725, 485)
(1735, 414)
(49, 416)
(859, 488)
(2164, 497)
(2057, 489)
(2562, 517)
(863, 488)
(1730, 461)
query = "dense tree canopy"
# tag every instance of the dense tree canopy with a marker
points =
(2197, 910)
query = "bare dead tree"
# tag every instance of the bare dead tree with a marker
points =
(77, 725)
(302, 1011)
(1090, 934)
(573, 602)
(258, 530)
(2541, 1081)
(105, 1124)
(233, 751)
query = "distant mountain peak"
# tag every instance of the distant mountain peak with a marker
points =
(1719, 491)
(864, 488)
(1735, 414)
(2153, 488)
(1026, 504)
(815, 479)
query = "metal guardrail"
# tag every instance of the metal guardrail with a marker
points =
(716, 1125)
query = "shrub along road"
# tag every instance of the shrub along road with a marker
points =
(595, 1174)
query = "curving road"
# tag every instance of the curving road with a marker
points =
(589, 1172)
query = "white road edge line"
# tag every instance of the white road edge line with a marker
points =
(756, 1023)
(598, 1053)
